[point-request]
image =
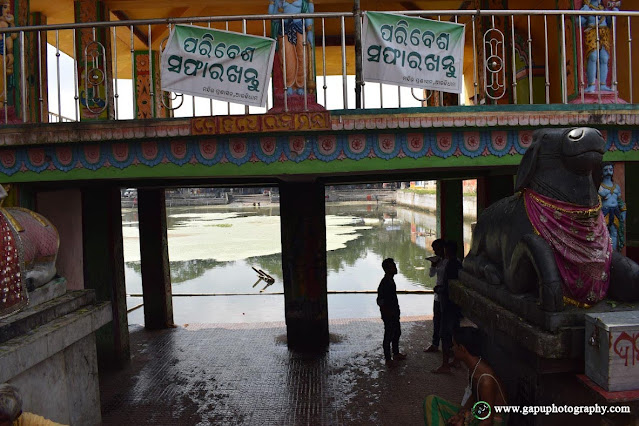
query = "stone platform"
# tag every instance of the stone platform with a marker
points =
(48, 351)
(244, 374)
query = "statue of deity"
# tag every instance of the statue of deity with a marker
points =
(6, 46)
(593, 57)
(290, 43)
(613, 207)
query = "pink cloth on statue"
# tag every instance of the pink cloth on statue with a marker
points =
(580, 241)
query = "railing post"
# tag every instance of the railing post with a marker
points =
(94, 61)
(357, 16)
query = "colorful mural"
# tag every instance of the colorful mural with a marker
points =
(268, 149)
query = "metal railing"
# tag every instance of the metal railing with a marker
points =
(518, 57)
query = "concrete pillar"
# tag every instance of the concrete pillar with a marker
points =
(450, 212)
(493, 188)
(67, 218)
(148, 93)
(104, 267)
(154, 259)
(95, 79)
(303, 224)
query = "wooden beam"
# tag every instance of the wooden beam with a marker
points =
(141, 35)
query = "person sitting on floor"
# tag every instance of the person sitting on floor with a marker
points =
(11, 410)
(483, 385)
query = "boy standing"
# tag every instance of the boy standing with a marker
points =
(389, 308)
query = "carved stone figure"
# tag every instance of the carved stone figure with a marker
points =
(613, 207)
(551, 236)
(28, 252)
(597, 31)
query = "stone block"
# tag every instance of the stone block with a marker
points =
(54, 288)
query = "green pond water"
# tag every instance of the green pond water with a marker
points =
(212, 251)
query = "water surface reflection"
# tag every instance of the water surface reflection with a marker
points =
(213, 249)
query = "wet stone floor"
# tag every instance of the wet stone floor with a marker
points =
(244, 374)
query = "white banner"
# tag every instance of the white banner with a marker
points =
(413, 52)
(217, 64)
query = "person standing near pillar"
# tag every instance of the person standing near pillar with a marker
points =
(449, 310)
(437, 266)
(389, 308)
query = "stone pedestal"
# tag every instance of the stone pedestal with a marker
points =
(538, 355)
(48, 351)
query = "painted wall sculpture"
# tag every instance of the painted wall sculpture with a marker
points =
(597, 41)
(613, 207)
(551, 235)
(27, 255)
(294, 58)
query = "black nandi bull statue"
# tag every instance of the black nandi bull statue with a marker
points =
(551, 235)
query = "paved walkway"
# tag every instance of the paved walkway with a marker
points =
(244, 374)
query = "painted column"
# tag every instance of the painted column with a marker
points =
(14, 13)
(38, 88)
(303, 224)
(154, 259)
(148, 92)
(493, 188)
(104, 267)
(450, 212)
(93, 50)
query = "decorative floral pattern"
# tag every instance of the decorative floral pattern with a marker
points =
(415, 145)
(499, 143)
(179, 152)
(356, 147)
(385, 146)
(269, 149)
(328, 147)
(298, 148)
(473, 144)
(121, 156)
(208, 153)
(150, 153)
(238, 151)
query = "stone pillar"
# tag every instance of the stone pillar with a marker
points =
(148, 92)
(154, 259)
(303, 224)
(632, 212)
(95, 79)
(104, 267)
(450, 212)
(493, 188)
